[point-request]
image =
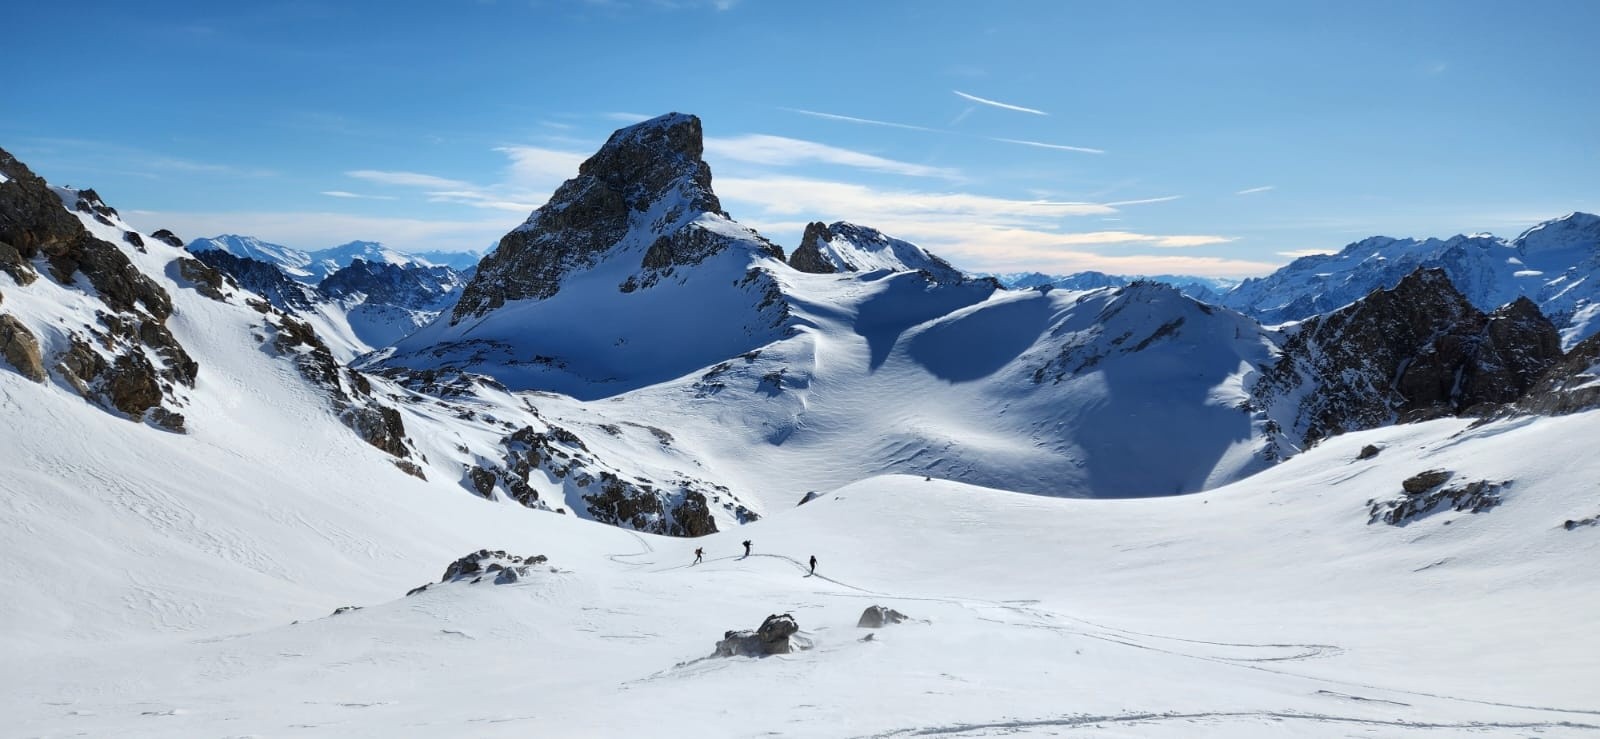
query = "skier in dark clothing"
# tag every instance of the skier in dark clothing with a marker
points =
(813, 564)
(698, 553)
(746, 547)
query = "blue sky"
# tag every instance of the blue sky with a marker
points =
(1129, 137)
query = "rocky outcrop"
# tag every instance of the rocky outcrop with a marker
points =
(1568, 386)
(775, 636)
(877, 617)
(409, 286)
(497, 564)
(127, 360)
(808, 257)
(348, 391)
(1418, 351)
(1425, 495)
(167, 237)
(20, 348)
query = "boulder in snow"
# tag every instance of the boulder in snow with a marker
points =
(772, 638)
(877, 617)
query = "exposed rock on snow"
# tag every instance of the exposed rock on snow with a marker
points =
(19, 347)
(1415, 352)
(774, 637)
(1570, 386)
(877, 617)
(485, 561)
(1424, 496)
(1368, 452)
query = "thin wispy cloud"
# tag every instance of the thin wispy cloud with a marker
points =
(782, 151)
(998, 104)
(1043, 145)
(625, 117)
(1145, 201)
(1254, 190)
(355, 196)
(406, 179)
(853, 119)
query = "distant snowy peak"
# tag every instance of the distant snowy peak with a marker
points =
(1561, 243)
(1205, 289)
(459, 261)
(643, 205)
(847, 247)
(312, 267)
(293, 262)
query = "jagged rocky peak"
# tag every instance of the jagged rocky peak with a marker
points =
(847, 247)
(646, 190)
(1417, 351)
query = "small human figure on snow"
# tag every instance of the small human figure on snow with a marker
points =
(746, 547)
(813, 564)
(698, 553)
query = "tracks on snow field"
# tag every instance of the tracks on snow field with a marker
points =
(1216, 717)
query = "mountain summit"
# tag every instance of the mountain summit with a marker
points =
(647, 189)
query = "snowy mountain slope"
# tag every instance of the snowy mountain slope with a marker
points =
(1264, 607)
(847, 247)
(297, 264)
(1549, 264)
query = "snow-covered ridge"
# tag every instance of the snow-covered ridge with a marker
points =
(312, 267)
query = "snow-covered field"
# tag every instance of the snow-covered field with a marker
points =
(164, 601)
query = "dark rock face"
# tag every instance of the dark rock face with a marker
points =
(655, 161)
(206, 281)
(413, 286)
(1368, 452)
(1424, 496)
(1415, 352)
(1569, 386)
(877, 617)
(808, 256)
(19, 348)
(262, 279)
(772, 638)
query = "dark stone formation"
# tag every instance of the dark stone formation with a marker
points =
(808, 497)
(1571, 524)
(341, 610)
(167, 237)
(1473, 497)
(1368, 452)
(474, 564)
(808, 256)
(482, 481)
(877, 617)
(772, 638)
(1418, 351)
(13, 264)
(133, 239)
(206, 280)
(1422, 482)
(1569, 386)
(20, 348)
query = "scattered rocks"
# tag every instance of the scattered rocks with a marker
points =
(877, 617)
(1590, 521)
(341, 610)
(1473, 497)
(485, 560)
(774, 637)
